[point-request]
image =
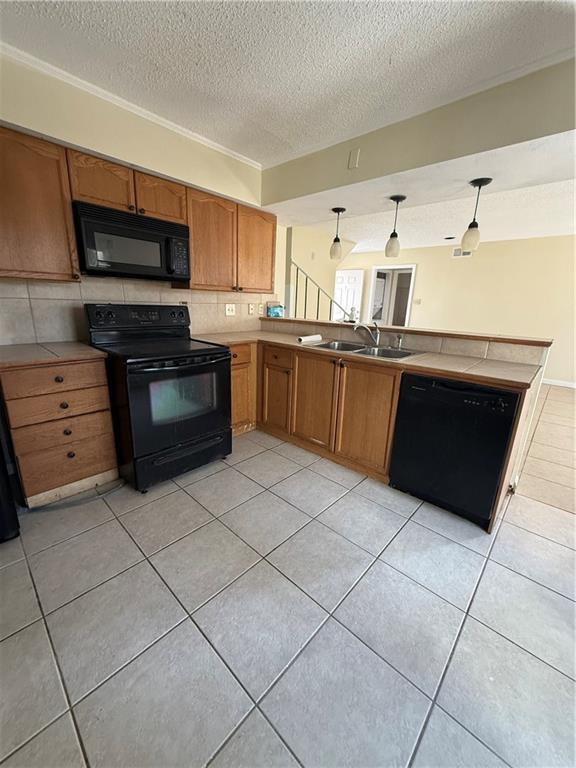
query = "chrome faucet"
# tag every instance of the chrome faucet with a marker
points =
(374, 334)
(399, 341)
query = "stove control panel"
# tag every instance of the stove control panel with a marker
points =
(110, 316)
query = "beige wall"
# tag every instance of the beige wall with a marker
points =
(35, 101)
(516, 287)
(539, 104)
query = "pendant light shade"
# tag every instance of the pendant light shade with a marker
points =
(393, 245)
(336, 247)
(471, 238)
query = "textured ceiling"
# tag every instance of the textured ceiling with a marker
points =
(274, 80)
(540, 211)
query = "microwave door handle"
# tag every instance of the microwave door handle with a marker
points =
(169, 264)
(177, 367)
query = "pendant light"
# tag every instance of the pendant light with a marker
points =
(471, 238)
(336, 247)
(393, 244)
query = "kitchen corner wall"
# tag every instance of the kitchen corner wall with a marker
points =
(39, 310)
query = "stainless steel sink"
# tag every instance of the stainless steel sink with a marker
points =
(385, 352)
(341, 346)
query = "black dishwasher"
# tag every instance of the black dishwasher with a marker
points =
(450, 443)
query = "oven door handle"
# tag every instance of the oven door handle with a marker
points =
(189, 367)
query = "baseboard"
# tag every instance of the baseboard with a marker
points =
(559, 383)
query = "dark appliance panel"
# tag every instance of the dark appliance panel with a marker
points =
(450, 443)
(122, 244)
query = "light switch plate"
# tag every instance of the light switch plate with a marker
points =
(230, 310)
(251, 309)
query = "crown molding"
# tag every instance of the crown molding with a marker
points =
(27, 60)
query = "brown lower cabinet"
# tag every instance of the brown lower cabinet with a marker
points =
(60, 425)
(345, 407)
(277, 370)
(314, 397)
(366, 402)
(243, 388)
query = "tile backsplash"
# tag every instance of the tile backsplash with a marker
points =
(40, 310)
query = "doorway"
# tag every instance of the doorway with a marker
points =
(348, 285)
(391, 295)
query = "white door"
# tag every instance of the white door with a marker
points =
(347, 292)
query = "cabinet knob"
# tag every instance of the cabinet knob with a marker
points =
(141, 210)
(131, 207)
(287, 372)
(58, 379)
(235, 354)
(275, 357)
(240, 289)
(71, 454)
(67, 432)
(343, 364)
(64, 405)
(76, 276)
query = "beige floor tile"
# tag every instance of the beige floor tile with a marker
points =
(554, 455)
(18, 604)
(555, 435)
(57, 523)
(550, 493)
(559, 408)
(32, 694)
(562, 394)
(56, 747)
(11, 551)
(555, 473)
(553, 418)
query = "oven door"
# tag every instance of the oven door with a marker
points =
(174, 402)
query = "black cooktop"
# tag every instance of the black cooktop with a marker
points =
(135, 332)
(160, 349)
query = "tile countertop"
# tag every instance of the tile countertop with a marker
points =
(482, 370)
(47, 353)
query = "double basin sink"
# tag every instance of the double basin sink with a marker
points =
(362, 349)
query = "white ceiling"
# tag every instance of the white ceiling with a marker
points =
(531, 195)
(274, 80)
(545, 210)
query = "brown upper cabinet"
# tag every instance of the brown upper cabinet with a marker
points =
(213, 236)
(232, 246)
(256, 250)
(36, 227)
(101, 182)
(160, 198)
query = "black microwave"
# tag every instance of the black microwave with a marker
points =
(123, 244)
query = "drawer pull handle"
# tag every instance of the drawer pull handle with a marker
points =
(141, 210)
(235, 355)
(64, 405)
(67, 432)
(71, 454)
(58, 379)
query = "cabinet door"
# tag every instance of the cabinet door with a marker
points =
(256, 250)
(276, 397)
(100, 182)
(243, 397)
(213, 224)
(160, 198)
(314, 400)
(365, 402)
(36, 227)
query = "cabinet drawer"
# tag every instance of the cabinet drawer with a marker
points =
(43, 380)
(43, 470)
(279, 356)
(41, 437)
(241, 354)
(35, 410)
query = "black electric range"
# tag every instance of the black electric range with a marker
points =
(170, 394)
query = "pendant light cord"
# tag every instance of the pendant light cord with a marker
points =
(476, 206)
(396, 215)
(337, 223)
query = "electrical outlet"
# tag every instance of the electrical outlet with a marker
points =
(251, 309)
(260, 309)
(230, 310)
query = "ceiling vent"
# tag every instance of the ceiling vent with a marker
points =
(458, 253)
